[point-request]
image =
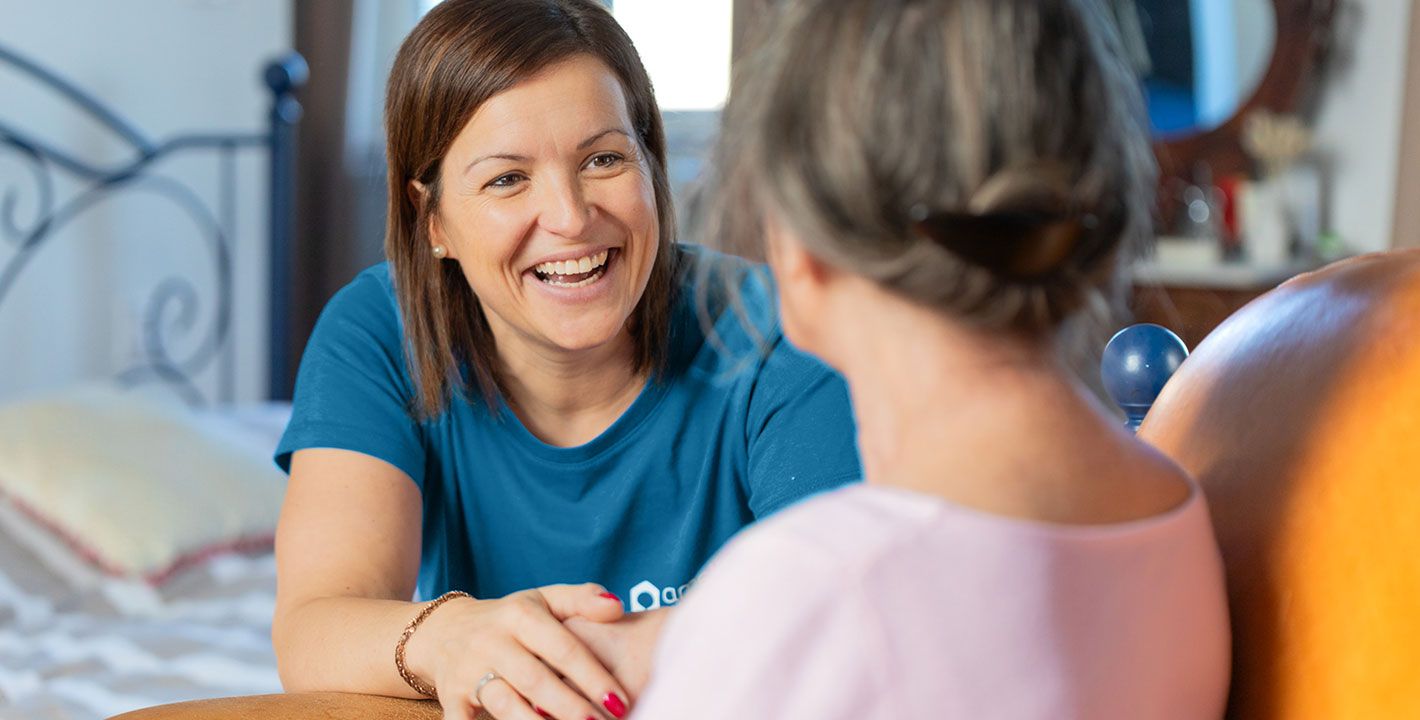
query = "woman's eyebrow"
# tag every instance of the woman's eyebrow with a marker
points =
(523, 158)
(585, 143)
(496, 156)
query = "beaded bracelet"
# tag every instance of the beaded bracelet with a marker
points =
(419, 686)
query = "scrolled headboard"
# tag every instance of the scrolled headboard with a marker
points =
(174, 301)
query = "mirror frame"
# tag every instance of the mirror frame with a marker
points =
(1289, 85)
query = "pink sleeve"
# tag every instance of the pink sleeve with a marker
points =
(772, 626)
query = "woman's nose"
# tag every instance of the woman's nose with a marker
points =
(565, 210)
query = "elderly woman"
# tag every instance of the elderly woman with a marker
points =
(942, 185)
(532, 413)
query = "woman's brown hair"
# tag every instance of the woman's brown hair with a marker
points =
(462, 53)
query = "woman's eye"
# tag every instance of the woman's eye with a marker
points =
(604, 160)
(506, 181)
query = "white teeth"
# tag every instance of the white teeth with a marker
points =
(572, 267)
(580, 283)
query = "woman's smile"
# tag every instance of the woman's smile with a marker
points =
(581, 277)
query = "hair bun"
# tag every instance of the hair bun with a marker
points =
(1020, 224)
(1038, 187)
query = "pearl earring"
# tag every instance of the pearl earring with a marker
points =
(440, 252)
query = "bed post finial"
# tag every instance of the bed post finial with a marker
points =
(1137, 362)
(286, 74)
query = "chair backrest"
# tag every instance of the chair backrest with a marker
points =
(1300, 416)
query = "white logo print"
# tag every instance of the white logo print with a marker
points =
(641, 589)
(646, 596)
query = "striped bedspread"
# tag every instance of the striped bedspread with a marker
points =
(118, 646)
(76, 644)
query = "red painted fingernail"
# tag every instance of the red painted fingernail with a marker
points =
(614, 705)
(610, 596)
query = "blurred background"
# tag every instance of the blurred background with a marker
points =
(180, 195)
(1281, 128)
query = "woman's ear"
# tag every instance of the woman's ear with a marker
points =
(802, 280)
(416, 192)
(438, 244)
(791, 262)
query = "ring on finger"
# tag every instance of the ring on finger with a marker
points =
(482, 683)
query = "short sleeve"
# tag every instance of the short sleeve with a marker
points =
(802, 438)
(353, 391)
(772, 629)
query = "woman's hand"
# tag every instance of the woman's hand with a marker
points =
(625, 647)
(543, 669)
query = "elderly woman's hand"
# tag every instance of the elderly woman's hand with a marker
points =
(626, 647)
(540, 668)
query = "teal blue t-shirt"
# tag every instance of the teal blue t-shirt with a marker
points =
(736, 427)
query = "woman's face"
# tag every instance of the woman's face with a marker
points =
(549, 209)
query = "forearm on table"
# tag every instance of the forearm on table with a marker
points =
(345, 644)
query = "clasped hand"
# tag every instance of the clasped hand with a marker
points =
(562, 651)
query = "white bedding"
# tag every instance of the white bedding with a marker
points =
(90, 650)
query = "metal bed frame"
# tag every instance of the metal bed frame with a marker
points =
(177, 295)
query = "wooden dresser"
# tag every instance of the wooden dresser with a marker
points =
(1192, 300)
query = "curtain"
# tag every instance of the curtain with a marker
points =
(340, 205)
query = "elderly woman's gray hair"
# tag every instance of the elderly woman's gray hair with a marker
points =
(988, 158)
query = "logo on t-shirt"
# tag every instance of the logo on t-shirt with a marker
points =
(645, 595)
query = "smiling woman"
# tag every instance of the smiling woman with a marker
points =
(536, 129)
(527, 393)
(545, 177)
(534, 192)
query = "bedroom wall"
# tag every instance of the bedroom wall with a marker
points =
(1407, 214)
(1358, 128)
(168, 66)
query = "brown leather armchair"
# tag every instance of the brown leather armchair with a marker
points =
(1300, 416)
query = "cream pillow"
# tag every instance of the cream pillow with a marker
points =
(133, 485)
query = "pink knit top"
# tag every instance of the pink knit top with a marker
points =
(875, 602)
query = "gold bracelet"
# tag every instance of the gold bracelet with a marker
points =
(420, 686)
